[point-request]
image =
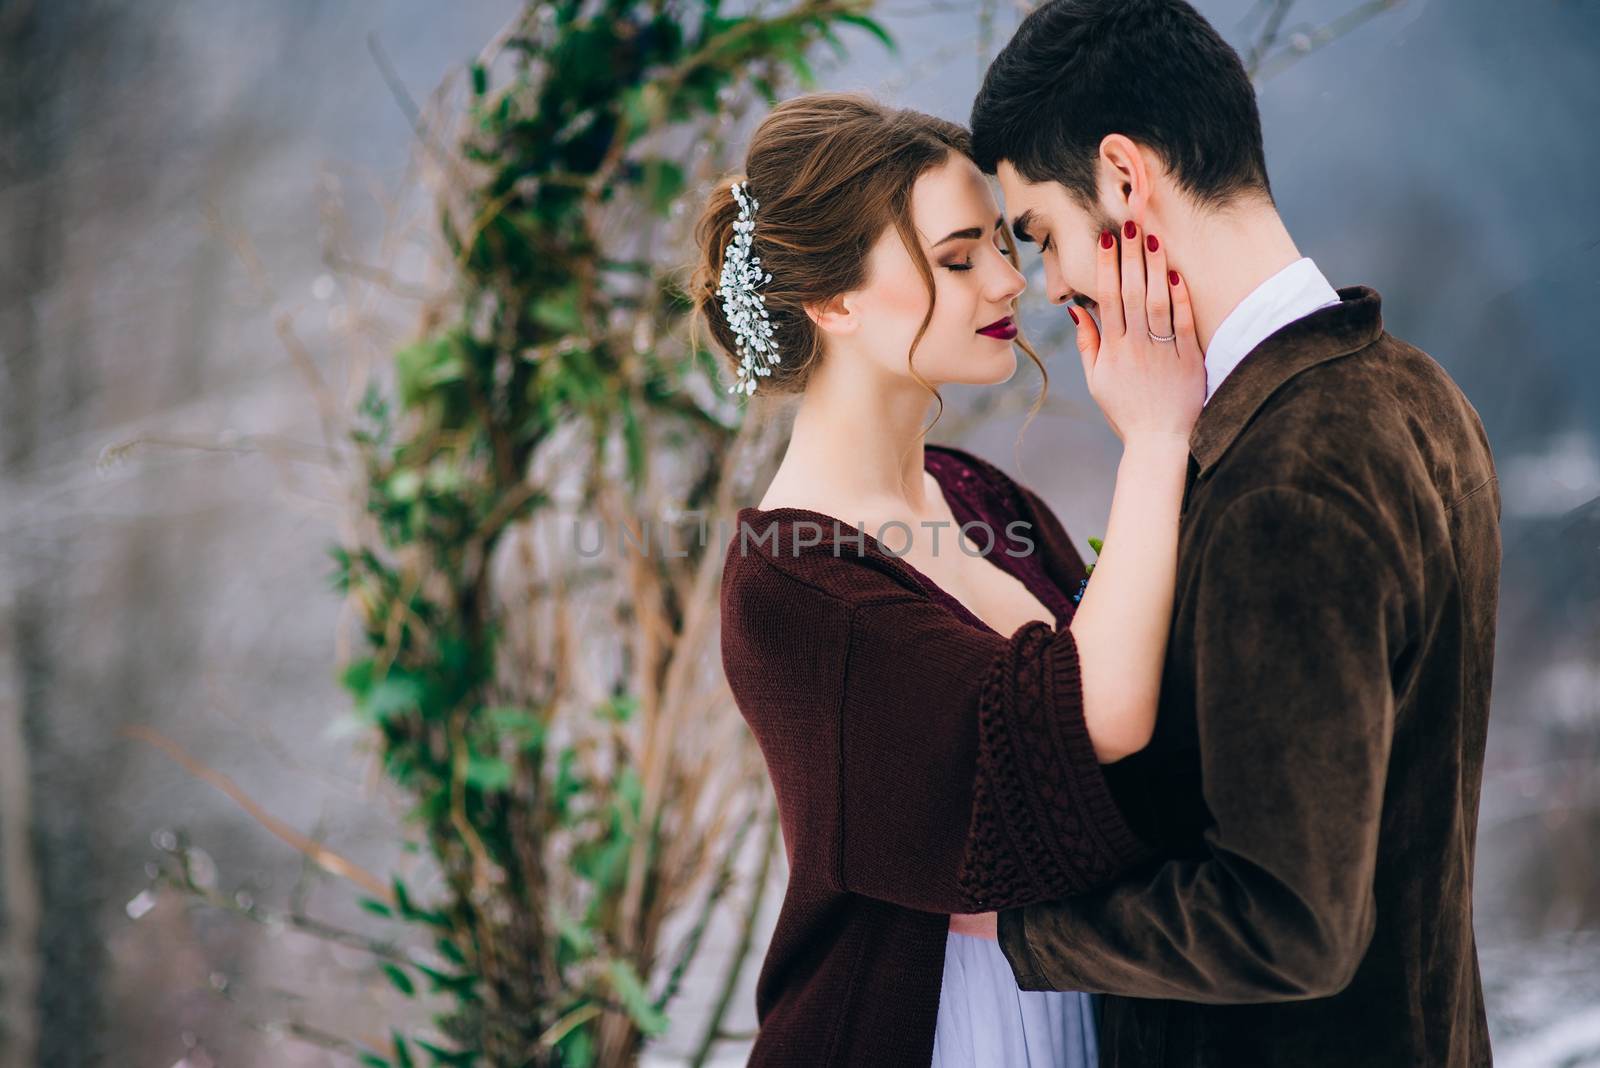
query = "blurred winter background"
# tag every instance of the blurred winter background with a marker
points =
(181, 182)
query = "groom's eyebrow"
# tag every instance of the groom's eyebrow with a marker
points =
(1021, 226)
(971, 233)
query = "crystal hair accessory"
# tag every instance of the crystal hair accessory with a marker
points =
(742, 305)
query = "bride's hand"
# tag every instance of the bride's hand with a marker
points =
(1141, 385)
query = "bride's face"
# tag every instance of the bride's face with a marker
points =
(958, 224)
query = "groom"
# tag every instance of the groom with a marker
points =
(1313, 782)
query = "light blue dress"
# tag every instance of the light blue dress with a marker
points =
(987, 1021)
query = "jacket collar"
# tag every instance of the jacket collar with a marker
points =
(1326, 334)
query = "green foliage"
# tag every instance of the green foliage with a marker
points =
(630, 988)
(402, 982)
(562, 325)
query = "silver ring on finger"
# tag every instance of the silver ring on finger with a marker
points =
(1157, 337)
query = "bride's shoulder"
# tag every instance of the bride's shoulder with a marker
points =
(794, 554)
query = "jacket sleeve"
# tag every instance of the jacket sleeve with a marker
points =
(1300, 619)
(918, 759)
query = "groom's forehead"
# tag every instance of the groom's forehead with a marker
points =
(1031, 204)
(1023, 205)
(1021, 194)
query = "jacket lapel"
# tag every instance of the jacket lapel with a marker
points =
(1326, 334)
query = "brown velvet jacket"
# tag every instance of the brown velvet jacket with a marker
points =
(1313, 782)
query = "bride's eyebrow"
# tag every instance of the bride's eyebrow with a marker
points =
(971, 233)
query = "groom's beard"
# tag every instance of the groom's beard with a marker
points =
(1089, 305)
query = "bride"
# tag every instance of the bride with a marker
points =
(934, 717)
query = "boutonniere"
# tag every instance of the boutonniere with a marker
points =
(1095, 544)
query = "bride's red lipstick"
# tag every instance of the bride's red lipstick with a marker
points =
(1004, 329)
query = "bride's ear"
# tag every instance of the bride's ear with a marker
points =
(836, 315)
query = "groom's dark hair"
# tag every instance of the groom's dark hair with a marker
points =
(1153, 70)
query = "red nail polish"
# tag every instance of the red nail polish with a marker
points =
(1106, 239)
(1129, 231)
(1172, 277)
(1151, 243)
(1072, 312)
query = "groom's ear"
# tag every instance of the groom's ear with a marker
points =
(1125, 176)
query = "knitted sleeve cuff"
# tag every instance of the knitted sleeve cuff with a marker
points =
(1044, 823)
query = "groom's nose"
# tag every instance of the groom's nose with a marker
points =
(1061, 293)
(1055, 283)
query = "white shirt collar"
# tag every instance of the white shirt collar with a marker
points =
(1293, 293)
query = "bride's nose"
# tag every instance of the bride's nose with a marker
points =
(1008, 283)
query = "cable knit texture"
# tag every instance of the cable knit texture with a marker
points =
(923, 763)
(1037, 831)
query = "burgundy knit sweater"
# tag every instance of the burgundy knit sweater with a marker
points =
(924, 764)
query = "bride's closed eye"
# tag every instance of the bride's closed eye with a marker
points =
(966, 265)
